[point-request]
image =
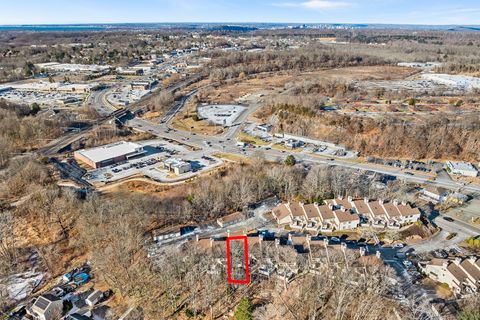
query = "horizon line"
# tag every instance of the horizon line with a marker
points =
(236, 22)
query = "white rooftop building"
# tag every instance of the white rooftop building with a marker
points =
(109, 154)
(178, 166)
(70, 67)
(462, 168)
(223, 115)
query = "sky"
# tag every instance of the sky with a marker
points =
(434, 12)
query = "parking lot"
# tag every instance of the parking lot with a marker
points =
(41, 98)
(150, 165)
(304, 145)
(125, 96)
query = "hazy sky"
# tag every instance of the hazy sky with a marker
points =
(308, 11)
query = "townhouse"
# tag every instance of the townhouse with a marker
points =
(345, 214)
(461, 274)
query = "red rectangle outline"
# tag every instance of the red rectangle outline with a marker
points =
(229, 270)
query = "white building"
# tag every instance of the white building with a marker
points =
(462, 168)
(178, 166)
(109, 154)
(94, 298)
(292, 143)
(435, 194)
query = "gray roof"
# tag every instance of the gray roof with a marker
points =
(44, 301)
(97, 294)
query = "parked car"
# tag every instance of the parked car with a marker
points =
(407, 263)
(398, 245)
(448, 219)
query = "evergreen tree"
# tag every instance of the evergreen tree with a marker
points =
(244, 310)
(290, 160)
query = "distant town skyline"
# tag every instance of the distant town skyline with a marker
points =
(431, 12)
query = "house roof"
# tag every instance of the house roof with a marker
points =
(167, 230)
(457, 272)
(231, 217)
(438, 262)
(345, 216)
(281, 211)
(110, 151)
(407, 210)
(326, 213)
(361, 207)
(376, 208)
(391, 209)
(344, 203)
(472, 270)
(44, 301)
(296, 209)
(436, 190)
(311, 211)
(97, 294)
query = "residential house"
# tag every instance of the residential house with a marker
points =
(281, 213)
(393, 214)
(230, 219)
(168, 233)
(461, 274)
(313, 216)
(47, 307)
(342, 214)
(345, 220)
(378, 215)
(434, 194)
(94, 298)
(299, 219)
(328, 218)
(408, 213)
(360, 207)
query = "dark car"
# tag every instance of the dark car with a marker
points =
(448, 219)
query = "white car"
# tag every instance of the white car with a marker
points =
(398, 245)
(407, 263)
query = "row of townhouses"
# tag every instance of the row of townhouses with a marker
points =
(345, 214)
(461, 274)
(319, 252)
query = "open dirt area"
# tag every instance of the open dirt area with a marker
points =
(272, 82)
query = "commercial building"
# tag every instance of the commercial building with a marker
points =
(178, 166)
(223, 115)
(56, 87)
(142, 85)
(128, 71)
(70, 67)
(461, 274)
(462, 168)
(293, 144)
(109, 154)
(264, 127)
